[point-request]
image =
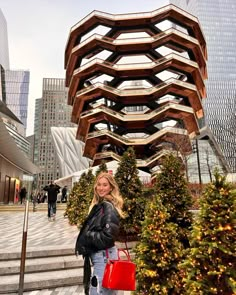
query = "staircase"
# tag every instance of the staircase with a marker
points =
(44, 269)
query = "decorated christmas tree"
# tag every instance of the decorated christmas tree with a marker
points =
(158, 253)
(211, 265)
(172, 188)
(131, 189)
(80, 198)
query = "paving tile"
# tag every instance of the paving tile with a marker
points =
(40, 232)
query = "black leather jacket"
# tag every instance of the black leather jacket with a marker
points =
(100, 229)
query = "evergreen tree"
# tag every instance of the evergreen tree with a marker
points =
(158, 253)
(171, 186)
(211, 265)
(130, 187)
(80, 198)
(101, 168)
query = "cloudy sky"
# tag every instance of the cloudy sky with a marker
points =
(38, 32)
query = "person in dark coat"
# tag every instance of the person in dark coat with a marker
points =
(64, 194)
(23, 193)
(52, 190)
(99, 232)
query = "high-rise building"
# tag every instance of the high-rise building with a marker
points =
(14, 84)
(218, 21)
(50, 111)
(4, 51)
(4, 55)
(17, 91)
(37, 128)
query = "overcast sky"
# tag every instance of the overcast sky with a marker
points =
(38, 32)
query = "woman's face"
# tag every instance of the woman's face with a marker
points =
(103, 187)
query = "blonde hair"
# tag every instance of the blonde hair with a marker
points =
(116, 198)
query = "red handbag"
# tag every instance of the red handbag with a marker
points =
(119, 274)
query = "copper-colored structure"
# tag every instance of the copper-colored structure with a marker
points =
(135, 104)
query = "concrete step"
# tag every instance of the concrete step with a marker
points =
(42, 280)
(21, 207)
(41, 264)
(39, 252)
(44, 268)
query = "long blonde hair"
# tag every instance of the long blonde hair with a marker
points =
(116, 198)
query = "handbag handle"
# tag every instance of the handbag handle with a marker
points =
(126, 251)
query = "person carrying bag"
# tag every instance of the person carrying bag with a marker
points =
(99, 233)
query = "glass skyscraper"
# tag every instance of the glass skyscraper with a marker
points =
(218, 20)
(17, 91)
(14, 84)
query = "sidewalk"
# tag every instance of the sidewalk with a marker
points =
(40, 232)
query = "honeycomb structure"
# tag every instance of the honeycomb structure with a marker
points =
(139, 84)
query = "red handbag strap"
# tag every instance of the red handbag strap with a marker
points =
(126, 251)
(107, 254)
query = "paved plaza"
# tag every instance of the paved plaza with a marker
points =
(41, 232)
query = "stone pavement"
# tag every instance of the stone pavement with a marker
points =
(41, 233)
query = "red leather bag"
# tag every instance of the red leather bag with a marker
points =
(119, 274)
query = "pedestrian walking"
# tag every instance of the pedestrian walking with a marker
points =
(23, 193)
(52, 191)
(99, 233)
(34, 202)
(64, 194)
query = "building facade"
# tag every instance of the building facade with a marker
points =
(17, 92)
(69, 150)
(4, 55)
(50, 111)
(16, 169)
(218, 21)
(15, 166)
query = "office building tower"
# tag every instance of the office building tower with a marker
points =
(4, 51)
(37, 128)
(4, 55)
(50, 111)
(218, 21)
(17, 91)
(31, 140)
(14, 84)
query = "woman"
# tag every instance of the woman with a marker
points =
(99, 232)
